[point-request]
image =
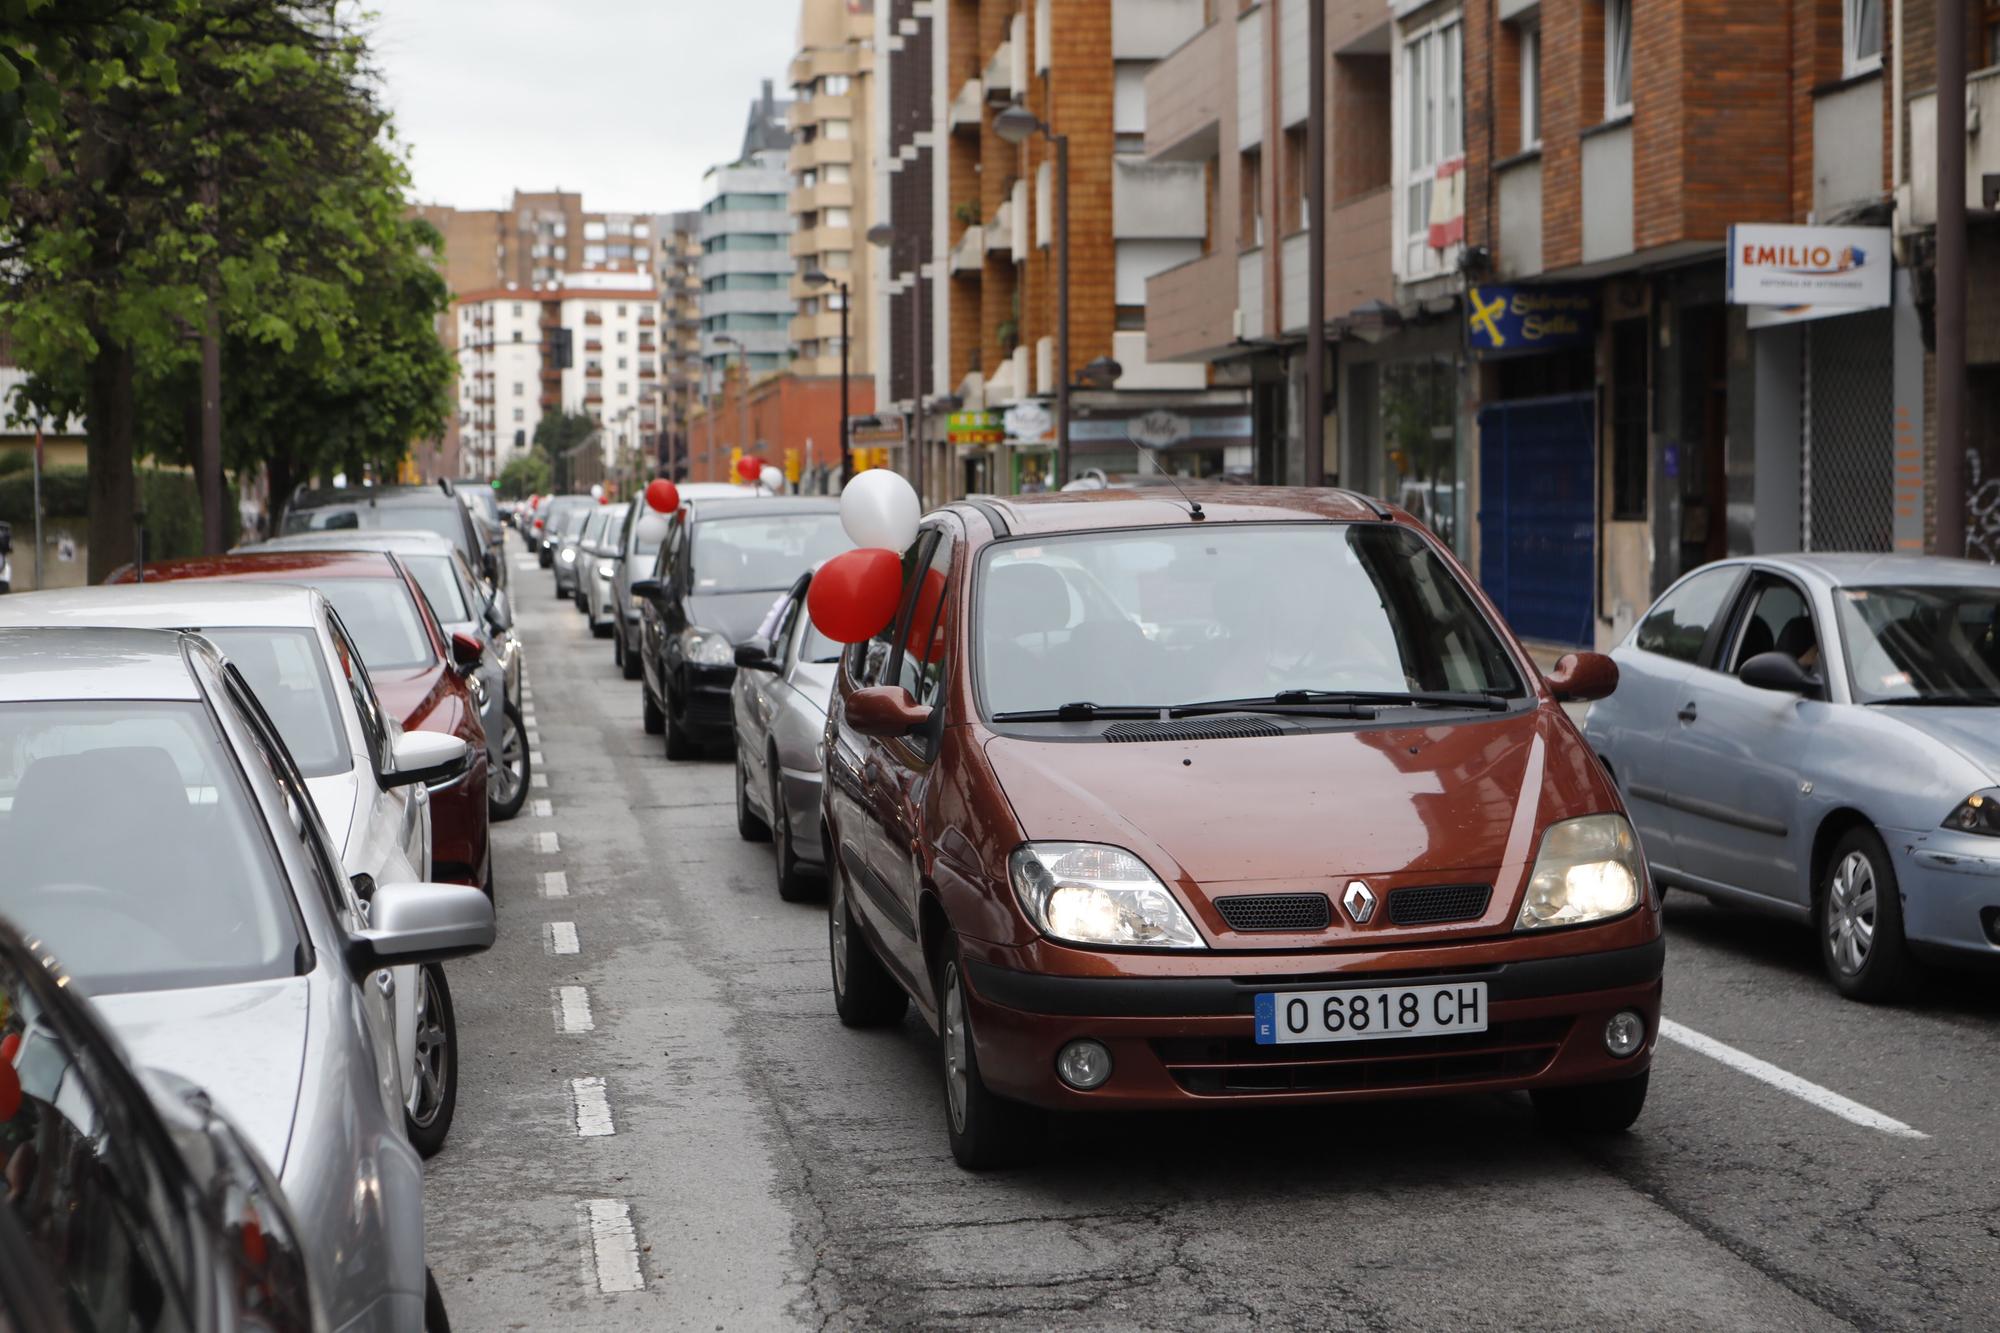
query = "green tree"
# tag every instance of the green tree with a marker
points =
(525, 476)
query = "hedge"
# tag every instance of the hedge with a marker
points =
(170, 500)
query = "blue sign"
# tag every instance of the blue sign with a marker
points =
(1511, 321)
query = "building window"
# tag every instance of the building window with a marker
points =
(520, 414)
(623, 389)
(1296, 206)
(621, 335)
(517, 310)
(1861, 28)
(1628, 419)
(593, 254)
(621, 363)
(1250, 178)
(1531, 86)
(1433, 132)
(1618, 58)
(835, 129)
(835, 173)
(520, 389)
(833, 85)
(517, 335)
(837, 217)
(593, 231)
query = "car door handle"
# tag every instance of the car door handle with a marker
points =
(1687, 713)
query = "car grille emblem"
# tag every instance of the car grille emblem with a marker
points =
(1359, 900)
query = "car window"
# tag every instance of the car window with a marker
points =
(670, 552)
(649, 532)
(1678, 624)
(322, 864)
(1779, 621)
(763, 553)
(434, 574)
(384, 620)
(873, 661)
(470, 589)
(1921, 643)
(289, 676)
(921, 668)
(355, 677)
(132, 845)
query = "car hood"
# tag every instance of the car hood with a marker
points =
(736, 614)
(1312, 807)
(1968, 732)
(245, 1044)
(410, 693)
(336, 796)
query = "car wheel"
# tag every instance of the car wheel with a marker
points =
(435, 1318)
(1593, 1108)
(750, 826)
(628, 659)
(1861, 920)
(507, 785)
(794, 885)
(680, 745)
(433, 1096)
(864, 994)
(655, 719)
(985, 1130)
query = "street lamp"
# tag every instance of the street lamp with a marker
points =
(883, 237)
(815, 277)
(742, 390)
(1016, 125)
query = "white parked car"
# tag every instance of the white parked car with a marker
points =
(291, 648)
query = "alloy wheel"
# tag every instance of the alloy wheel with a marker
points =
(954, 1045)
(427, 1092)
(1850, 912)
(513, 769)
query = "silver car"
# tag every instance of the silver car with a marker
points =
(784, 678)
(568, 528)
(160, 840)
(1814, 736)
(597, 570)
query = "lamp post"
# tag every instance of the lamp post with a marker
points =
(1015, 125)
(742, 389)
(815, 277)
(883, 237)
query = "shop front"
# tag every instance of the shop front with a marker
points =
(1403, 427)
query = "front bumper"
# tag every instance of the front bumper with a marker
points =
(707, 709)
(1950, 886)
(1187, 1040)
(802, 792)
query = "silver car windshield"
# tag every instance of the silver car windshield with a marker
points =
(762, 554)
(1922, 644)
(435, 576)
(1166, 616)
(134, 850)
(383, 622)
(288, 674)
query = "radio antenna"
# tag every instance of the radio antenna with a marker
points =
(1194, 506)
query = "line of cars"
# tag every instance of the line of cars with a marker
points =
(244, 807)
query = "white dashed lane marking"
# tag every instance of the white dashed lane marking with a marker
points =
(542, 809)
(546, 843)
(592, 1108)
(534, 759)
(561, 937)
(611, 1246)
(555, 883)
(573, 1009)
(1826, 1099)
(538, 780)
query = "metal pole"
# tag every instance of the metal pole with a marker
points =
(917, 370)
(39, 585)
(743, 398)
(1314, 472)
(1062, 312)
(1951, 277)
(846, 454)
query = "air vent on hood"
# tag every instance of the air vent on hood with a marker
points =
(1193, 729)
(1276, 911)
(1435, 904)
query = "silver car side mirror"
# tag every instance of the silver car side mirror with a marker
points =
(412, 924)
(425, 756)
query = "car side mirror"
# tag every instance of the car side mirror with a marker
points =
(1581, 678)
(755, 655)
(500, 612)
(883, 711)
(465, 650)
(425, 756)
(412, 924)
(650, 589)
(1778, 671)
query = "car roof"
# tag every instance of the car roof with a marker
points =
(211, 605)
(748, 506)
(1856, 568)
(1129, 507)
(274, 565)
(401, 541)
(330, 497)
(46, 665)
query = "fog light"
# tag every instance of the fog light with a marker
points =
(1083, 1065)
(1625, 1033)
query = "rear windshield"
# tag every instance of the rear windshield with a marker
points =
(287, 673)
(763, 554)
(446, 519)
(383, 621)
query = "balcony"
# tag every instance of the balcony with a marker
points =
(969, 255)
(593, 345)
(1158, 201)
(819, 153)
(820, 240)
(968, 109)
(590, 318)
(827, 194)
(1982, 149)
(1000, 231)
(816, 327)
(1185, 94)
(998, 79)
(1151, 29)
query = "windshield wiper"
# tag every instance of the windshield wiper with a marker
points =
(1988, 700)
(1358, 698)
(1082, 711)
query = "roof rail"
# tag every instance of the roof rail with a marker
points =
(1375, 507)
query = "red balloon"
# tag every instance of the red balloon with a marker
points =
(10, 1091)
(663, 495)
(855, 594)
(926, 637)
(750, 468)
(10, 1046)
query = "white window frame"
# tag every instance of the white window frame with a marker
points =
(1617, 41)
(1530, 39)
(1437, 50)
(1853, 60)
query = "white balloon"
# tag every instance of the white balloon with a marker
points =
(596, 492)
(773, 480)
(880, 508)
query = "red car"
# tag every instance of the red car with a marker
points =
(421, 672)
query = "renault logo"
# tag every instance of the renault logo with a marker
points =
(1359, 900)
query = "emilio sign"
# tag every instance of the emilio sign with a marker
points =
(1845, 267)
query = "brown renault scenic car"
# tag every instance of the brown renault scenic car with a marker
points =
(1249, 799)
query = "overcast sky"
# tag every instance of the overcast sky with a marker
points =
(627, 101)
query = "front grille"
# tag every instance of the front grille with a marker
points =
(1434, 904)
(1193, 729)
(1238, 1066)
(1276, 911)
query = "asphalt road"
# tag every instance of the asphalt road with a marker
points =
(667, 1127)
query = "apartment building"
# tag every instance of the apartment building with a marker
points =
(677, 273)
(831, 160)
(746, 265)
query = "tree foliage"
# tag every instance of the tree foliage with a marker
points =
(525, 476)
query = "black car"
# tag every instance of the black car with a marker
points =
(132, 1201)
(400, 508)
(722, 563)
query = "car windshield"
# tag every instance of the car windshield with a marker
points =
(816, 648)
(606, 537)
(133, 849)
(1170, 616)
(1931, 644)
(444, 519)
(435, 576)
(383, 621)
(481, 497)
(762, 554)
(287, 673)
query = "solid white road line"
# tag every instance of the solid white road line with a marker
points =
(612, 1248)
(593, 1108)
(555, 883)
(538, 780)
(546, 843)
(561, 937)
(1812, 1093)
(573, 1009)
(542, 809)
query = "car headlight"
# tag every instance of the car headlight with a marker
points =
(1589, 869)
(604, 572)
(1977, 813)
(707, 647)
(1084, 893)
(569, 555)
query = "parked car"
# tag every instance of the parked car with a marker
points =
(308, 676)
(713, 581)
(6, 557)
(569, 528)
(399, 509)
(549, 522)
(463, 605)
(784, 674)
(638, 545)
(597, 570)
(215, 929)
(422, 674)
(1343, 843)
(484, 502)
(1812, 737)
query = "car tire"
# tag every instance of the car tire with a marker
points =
(794, 884)
(865, 995)
(430, 1106)
(680, 745)
(1859, 920)
(507, 789)
(627, 659)
(654, 718)
(601, 628)
(435, 1318)
(986, 1131)
(544, 559)
(750, 826)
(1593, 1108)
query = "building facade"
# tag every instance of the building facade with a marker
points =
(831, 160)
(677, 273)
(746, 264)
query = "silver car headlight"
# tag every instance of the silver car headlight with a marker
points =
(1084, 893)
(1977, 813)
(604, 572)
(707, 647)
(1589, 869)
(569, 555)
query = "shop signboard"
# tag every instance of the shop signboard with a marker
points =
(1795, 268)
(1028, 423)
(975, 428)
(1506, 320)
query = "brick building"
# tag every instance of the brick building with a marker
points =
(833, 90)
(677, 273)
(791, 421)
